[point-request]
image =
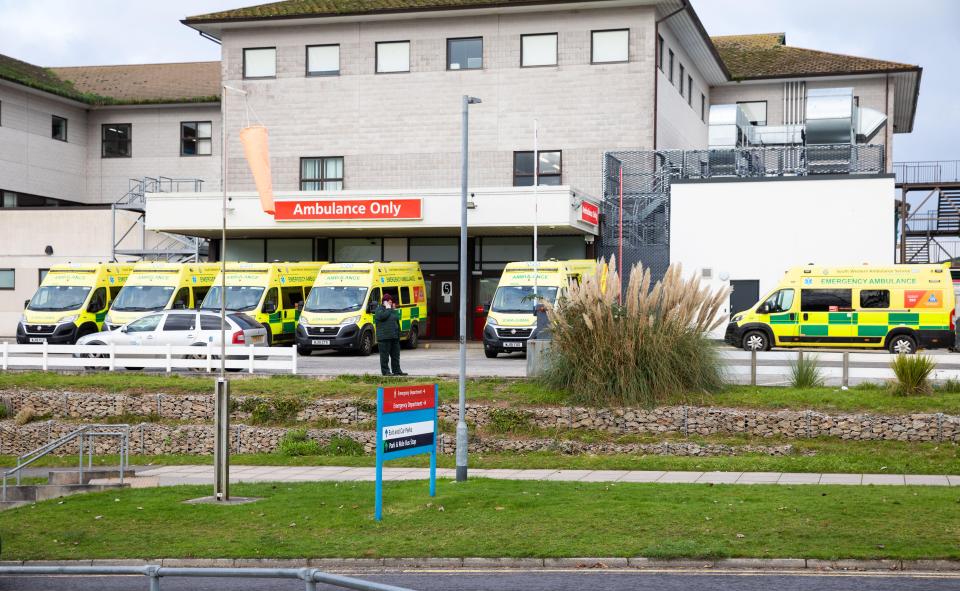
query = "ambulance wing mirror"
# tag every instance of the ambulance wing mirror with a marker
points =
(371, 306)
(269, 308)
(763, 309)
(26, 304)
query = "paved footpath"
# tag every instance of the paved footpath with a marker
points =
(174, 475)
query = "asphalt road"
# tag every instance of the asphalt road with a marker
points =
(546, 580)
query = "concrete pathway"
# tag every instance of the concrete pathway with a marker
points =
(174, 475)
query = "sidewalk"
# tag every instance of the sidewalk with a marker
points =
(174, 475)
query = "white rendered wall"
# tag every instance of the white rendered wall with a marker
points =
(679, 126)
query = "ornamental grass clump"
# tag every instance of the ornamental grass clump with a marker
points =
(913, 374)
(805, 373)
(645, 350)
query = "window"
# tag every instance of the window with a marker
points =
(875, 298)
(289, 250)
(211, 322)
(260, 62)
(780, 301)
(271, 301)
(357, 250)
(181, 301)
(393, 57)
(465, 54)
(323, 60)
(610, 46)
(98, 301)
(114, 292)
(670, 67)
(198, 294)
(660, 47)
(196, 138)
(756, 112)
(682, 69)
(145, 324)
(180, 322)
(393, 292)
(549, 172)
(116, 140)
(42, 273)
(292, 297)
(825, 300)
(405, 296)
(690, 90)
(59, 128)
(321, 174)
(703, 107)
(538, 50)
(561, 248)
(8, 279)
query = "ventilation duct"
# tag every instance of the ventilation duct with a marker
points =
(830, 116)
(869, 122)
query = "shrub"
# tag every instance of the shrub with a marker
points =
(508, 420)
(4, 411)
(950, 386)
(805, 373)
(282, 409)
(651, 346)
(25, 415)
(913, 373)
(343, 446)
(297, 443)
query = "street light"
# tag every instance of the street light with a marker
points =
(461, 420)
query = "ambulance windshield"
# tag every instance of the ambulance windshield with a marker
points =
(335, 299)
(519, 299)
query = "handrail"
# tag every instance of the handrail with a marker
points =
(90, 431)
(927, 171)
(310, 576)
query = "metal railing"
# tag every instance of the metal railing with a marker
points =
(88, 433)
(775, 161)
(927, 172)
(310, 576)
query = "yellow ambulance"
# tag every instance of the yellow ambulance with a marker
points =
(271, 293)
(71, 302)
(511, 320)
(339, 312)
(900, 308)
(154, 286)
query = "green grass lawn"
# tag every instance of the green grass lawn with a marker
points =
(871, 398)
(832, 456)
(494, 518)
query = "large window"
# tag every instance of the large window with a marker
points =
(8, 279)
(549, 173)
(58, 128)
(826, 300)
(875, 298)
(196, 138)
(289, 250)
(561, 247)
(393, 57)
(260, 62)
(323, 60)
(756, 111)
(608, 47)
(465, 54)
(357, 250)
(116, 139)
(321, 174)
(538, 50)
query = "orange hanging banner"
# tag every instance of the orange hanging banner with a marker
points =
(256, 147)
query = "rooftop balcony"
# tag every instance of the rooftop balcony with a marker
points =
(928, 174)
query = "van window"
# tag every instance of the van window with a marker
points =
(394, 293)
(826, 300)
(98, 301)
(180, 322)
(198, 294)
(875, 298)
(779, 301)
(292, 297)
(272, 298)
(405, 296)
(114, 291)
(182, 300)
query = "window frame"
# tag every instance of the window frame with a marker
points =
(821, 290)
(244, 71)
(129, 140)
(620, 30)
(376, 56)
(683, 72)
(13, 273)
(661, 45)
(53, 119)
(703, 107)
(323, 170)
(670, 64)
(306, 62)
(536, 163)
(556, 52)
(766, 111)
(689, 91)
(196, 139)
(482, 47)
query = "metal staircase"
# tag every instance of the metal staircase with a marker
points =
(928, 234)
(165, 246)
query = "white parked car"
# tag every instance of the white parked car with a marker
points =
(181, 328)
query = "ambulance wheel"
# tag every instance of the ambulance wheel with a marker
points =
(304, 351)
(902, 345)
(490, 353)
(756, 340)
(413, 338)
(365, 347)
(86, 329)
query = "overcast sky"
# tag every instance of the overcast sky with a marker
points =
(924, 32)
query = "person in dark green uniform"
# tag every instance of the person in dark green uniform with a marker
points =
(387, 319)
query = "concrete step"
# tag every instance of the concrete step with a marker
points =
(41, 492)
(133, 482)
(73, 476)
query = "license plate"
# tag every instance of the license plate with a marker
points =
(320, 343)
(516, 344)
(38, 340)
(256, 339)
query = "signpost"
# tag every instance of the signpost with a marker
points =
(406, 426)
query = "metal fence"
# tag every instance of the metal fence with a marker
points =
(166, 357)
(927, 172)
(309, 576)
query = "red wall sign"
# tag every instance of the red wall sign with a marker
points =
(405, 398)
(589, 213)
(349, 209)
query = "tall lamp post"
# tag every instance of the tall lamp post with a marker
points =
(221, 411)
(461, 420)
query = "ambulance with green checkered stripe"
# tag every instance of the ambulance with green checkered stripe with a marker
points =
(271, 293)
(339, 312)
(901, 308)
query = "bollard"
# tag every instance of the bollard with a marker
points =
(753, 367)
(845, 380)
